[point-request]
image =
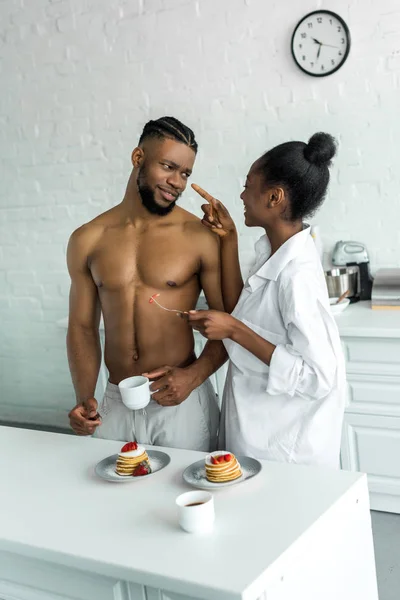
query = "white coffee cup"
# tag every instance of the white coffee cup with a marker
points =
(135, 392)
(196, 512)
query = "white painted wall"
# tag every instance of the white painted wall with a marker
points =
(79, 78)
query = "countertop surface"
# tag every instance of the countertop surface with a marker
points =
(53, 507)
(360, 320)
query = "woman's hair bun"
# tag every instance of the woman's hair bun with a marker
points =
(320, 150)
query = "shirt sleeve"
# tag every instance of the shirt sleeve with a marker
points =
(307, 365)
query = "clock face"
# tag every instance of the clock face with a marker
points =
(321, 43)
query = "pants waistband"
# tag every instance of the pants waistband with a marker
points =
(112, 390)
(112, 386)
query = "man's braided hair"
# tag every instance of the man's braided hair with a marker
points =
(169, 127)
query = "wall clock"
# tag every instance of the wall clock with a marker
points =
(321, 43)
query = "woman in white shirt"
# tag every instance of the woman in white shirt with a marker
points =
(285, 387)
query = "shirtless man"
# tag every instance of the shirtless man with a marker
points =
(143, 246)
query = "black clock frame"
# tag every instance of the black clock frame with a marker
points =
(347, 32)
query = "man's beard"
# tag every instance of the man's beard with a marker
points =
(147, 196)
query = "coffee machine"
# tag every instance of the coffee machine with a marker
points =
(354, 254)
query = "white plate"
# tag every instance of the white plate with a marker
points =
(195, 474)
(106, 467)
(336, 309)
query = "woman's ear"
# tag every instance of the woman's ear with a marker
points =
(276, 197)
(137, 157)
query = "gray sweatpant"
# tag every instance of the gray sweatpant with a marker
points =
(192, 425)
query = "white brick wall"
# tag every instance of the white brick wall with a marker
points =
(79, 78)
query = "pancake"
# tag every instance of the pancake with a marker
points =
(221, 467)
(132, 460)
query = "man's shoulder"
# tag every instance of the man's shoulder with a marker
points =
(181, 215)
(193, 226)
(86, 234)
(85, 237)
(203, 241)
(96, 227)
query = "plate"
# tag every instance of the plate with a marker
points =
(195, 474)
(336, 309)
(106, 467)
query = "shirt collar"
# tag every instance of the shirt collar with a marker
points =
(269, 267)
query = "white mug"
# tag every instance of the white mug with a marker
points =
(135, 392)
(196, 512)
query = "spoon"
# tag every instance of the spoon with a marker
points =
(153, 299)
(342, 297)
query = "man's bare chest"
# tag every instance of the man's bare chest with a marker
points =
(155, 261)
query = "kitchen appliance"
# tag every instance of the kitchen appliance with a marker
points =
(342, 280)
(355, 255)
(386, 289)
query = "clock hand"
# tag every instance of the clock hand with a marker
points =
(319, 51)
(329, 45)
(316, 41)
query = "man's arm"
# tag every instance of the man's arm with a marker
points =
(83, 341)
(214, 354)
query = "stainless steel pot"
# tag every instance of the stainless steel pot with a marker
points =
(341, 280)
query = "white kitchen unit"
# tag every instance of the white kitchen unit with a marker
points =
(371, 433)
(290, 532)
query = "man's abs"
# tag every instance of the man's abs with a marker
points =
(155, 343)
(139, 335)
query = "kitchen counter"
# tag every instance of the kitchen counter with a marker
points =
(290, 532)
(371, 429)
(360, 320)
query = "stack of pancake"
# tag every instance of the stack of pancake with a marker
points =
(222, 466)
(131, 457)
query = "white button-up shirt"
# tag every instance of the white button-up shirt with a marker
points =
(292, 410)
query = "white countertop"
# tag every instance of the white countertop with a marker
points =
(360, 320)
(53, 507)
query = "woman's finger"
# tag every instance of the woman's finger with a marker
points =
(214, 204)
(221, 208)
(209, 214)
(219, 231)
(203, 193)
(207, 224)
(197, 315)
(206, 196)
(216, 212)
